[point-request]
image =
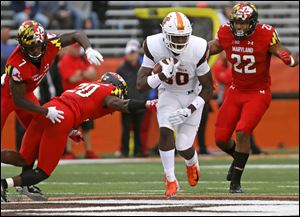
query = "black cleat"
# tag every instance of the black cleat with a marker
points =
(235, 188)
(229, 174)
(3, 194)
(33, 192)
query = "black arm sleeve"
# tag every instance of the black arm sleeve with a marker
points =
(135, 105)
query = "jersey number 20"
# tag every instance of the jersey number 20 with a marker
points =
(85, 89)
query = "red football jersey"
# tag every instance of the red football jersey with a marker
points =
(21, 69)
(249, 57)
(86, 100)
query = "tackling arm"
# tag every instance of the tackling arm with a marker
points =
(129, 105)
(18, 91)
(284, 54)
(70, 38)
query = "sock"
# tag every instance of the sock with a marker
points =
(7, 183)
(239, 162)
(27, 167)
(231, 150)
(168, 162)
(193, 160)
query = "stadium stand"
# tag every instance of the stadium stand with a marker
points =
(122, 25)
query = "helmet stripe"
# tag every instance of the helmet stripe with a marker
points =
(180, 25)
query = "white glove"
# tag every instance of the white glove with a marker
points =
(54, 115)
(180, 116)
(169, 69)
(93, 56)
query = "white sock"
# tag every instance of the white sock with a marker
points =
(193, 160)
(168, 162)
(10, 182)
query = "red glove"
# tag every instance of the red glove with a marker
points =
(286, 58)
(76, 136)
(151, 104)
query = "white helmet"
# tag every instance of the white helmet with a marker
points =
(176, 29)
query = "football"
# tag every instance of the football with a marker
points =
(157, 68)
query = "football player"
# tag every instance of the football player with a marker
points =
(46, 141)
(249, 46)
(26, 67)
(180, 104)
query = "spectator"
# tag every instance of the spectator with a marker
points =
(57, 13)
(75, 69)
(83, 16)
(6, 47)
(201, 131)
(128, 70)
(28, 10)
(100, 7)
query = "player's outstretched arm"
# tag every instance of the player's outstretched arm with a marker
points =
(284, 54)
(18, 91)
(214, 47)
(93, 56)
(128, 105)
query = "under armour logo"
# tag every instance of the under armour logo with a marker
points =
(262, 91)
(250, 42)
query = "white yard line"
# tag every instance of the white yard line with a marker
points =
(135, 207)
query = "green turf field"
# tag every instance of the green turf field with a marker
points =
(264, 175)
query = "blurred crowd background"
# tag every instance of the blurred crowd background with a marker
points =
(114, 28)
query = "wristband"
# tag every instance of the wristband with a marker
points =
(153, 81)
(198, 102)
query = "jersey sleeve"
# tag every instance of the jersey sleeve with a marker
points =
(54, 41)
(148, 60)
(274, 39)
(202, 65)
(19, 72)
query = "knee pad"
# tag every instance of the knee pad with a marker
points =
(32, 177)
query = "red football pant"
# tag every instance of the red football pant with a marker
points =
(241, 111)
(7, 106)
(46, 140)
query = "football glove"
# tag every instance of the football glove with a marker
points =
(169, 69)
(151, 104)
(54, 115)
(93, 56)
(180, 116)
(76, 136)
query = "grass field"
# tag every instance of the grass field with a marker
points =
(267, 176)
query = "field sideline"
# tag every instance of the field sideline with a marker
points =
(135, 186)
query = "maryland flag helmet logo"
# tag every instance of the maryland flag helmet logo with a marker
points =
(116, 80)
(32, 34)
(243, 12)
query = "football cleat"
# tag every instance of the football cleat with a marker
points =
(229, 174)
(235, 188)
(91, 155)
(171, 188)
(193, 174)
(33, 192)
(3, 194)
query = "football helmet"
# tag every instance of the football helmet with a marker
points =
(116, 80)
(176, 29)
(243, 12)
(32, 38)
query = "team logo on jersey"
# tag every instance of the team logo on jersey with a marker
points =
(16, 75)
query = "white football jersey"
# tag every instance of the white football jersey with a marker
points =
(192, 62)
